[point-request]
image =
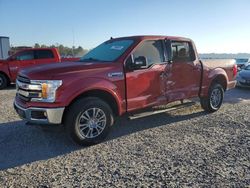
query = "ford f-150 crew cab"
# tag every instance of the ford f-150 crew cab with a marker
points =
(121, 75)
(26, 58)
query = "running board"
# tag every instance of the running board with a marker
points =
(175, 107)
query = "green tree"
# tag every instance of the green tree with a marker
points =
(37, 45)
(64, 50)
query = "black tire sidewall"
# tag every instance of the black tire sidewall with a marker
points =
(4, 83)
(75, 112)
(215, 86)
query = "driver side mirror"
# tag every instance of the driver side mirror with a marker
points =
(139, 62)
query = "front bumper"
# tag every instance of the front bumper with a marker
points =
(40, 115)
(239, 84)
(231, 84)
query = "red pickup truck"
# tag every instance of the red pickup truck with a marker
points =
(27, 58)
(120, 75)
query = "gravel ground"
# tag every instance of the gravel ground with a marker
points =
(184, 148)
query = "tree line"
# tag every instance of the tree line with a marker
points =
(64, 50)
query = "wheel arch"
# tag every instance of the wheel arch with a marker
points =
(220, 79)
(7, 77)
(217, 75)
(101, 94)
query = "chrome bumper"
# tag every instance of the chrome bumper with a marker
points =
(40, 115)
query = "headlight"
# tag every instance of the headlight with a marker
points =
(48, 90)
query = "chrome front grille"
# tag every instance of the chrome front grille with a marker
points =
(23, 79)
(25, 90)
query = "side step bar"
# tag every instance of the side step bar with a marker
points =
(175, 107)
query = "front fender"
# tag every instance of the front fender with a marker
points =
(82, 86)
(4, 69)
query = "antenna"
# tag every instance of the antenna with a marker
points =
(73, 36)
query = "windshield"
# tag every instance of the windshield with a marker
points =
(248, 67)
(108, 51)
(241, 61)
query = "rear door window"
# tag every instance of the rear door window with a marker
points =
(182, 51)
(44, 54)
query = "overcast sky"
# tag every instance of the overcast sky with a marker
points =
(220, 26)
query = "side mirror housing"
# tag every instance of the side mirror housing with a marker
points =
(139, 62)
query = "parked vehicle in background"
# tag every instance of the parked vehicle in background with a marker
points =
(121, 75)
(243, 77)
(66, 59)
(27, 58)
(245, 65)
(4, 47)
(241, 62)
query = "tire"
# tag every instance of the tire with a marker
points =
(213, 102)
(88, 120)
(3, 81)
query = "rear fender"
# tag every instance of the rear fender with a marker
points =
(217, 75)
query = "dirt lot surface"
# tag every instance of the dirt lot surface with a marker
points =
(185, 148)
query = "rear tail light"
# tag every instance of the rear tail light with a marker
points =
(235, 70)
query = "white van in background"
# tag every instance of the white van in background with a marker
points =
(4, 47)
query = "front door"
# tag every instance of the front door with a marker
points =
(145, 86)
(184, 73)
(21, 61)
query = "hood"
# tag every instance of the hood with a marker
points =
(61, 70)
(245, 74)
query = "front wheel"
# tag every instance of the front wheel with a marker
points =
(214, 100)
(3, 81)
(88, 120)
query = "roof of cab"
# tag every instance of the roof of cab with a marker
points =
(148, 37)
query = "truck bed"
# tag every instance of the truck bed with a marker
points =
(219, 63)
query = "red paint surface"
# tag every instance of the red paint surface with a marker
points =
(135, 89)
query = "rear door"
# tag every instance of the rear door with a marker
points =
(45, 56)
(145, 86)
(184, 73)
(21, 61)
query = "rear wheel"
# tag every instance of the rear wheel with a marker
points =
(3, 81)
(214, 100)
(88, 121)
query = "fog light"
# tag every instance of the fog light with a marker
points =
(38, 115)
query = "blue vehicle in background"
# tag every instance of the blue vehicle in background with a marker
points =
(242, 62)
(243, 77)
